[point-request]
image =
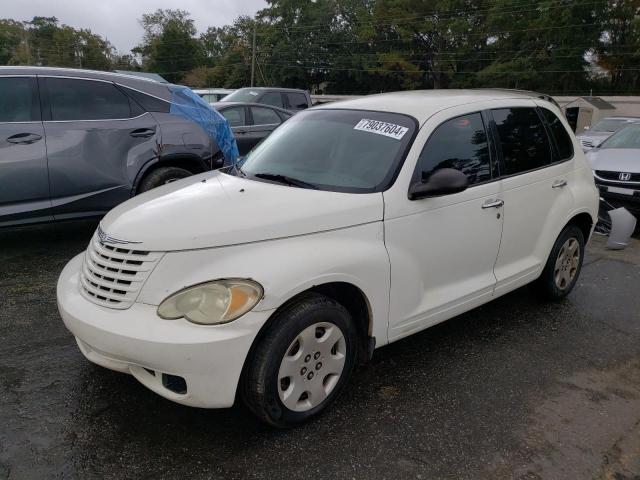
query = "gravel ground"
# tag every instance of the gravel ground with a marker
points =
(514, 389)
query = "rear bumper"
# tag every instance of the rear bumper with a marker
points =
(136, 341)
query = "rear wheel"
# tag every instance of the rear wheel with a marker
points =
(303, 362)
(563, 265)
(162, 176)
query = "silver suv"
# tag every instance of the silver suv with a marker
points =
(75, 143)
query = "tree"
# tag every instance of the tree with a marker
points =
(169, 45)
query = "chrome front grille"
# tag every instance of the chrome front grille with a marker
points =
(112, 276)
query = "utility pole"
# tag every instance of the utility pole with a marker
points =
(253, 54)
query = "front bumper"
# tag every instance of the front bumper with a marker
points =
(155, 351)
(611, 192)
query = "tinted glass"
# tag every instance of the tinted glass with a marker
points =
(523, 139)
(148, 102)
(18, 100)
(627, 138)
(560, 135)
(234, 115)
(272, 98)
(86, 100)
(459, 143)
(297, 100)
(337, 150)
(264, 116)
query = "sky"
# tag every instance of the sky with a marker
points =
(117, 20)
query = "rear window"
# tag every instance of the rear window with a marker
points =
(522, 138)
(560, 135)
(297, 100)
(264, 116)
(72, 99)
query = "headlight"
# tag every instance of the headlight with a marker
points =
(211, 303)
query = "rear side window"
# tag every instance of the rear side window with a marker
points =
(18, 100)
(235, 116)
(297, 100)
(459, 143)
(148, 102)
(524, 141)
(72, 99)
(272, 98)
(264, 116)
(559, 133)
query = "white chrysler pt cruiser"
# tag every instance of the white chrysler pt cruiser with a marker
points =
(353, 225)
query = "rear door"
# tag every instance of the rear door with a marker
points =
(97, 141)
(24, 185)
(536, 198)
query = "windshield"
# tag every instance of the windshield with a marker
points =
(242, 95)
(612, 124)
(627, 138)
(337, 150)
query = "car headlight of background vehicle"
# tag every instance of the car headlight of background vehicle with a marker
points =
(211, 303)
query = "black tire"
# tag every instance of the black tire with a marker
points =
(260, 383)
(162, 176)
(548, 284)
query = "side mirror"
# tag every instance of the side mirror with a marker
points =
(441, 182)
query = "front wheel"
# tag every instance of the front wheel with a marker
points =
(162, 176)
(564, 264)
(302, 363)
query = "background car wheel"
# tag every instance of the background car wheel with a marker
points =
(302, 363)
(563, 266)
(162, 176)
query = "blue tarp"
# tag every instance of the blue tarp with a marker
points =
(188, 104)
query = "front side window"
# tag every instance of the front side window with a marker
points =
(523, 139)
(235, 116)
(627, 138)
(272, 98)
(337, 150)
(460, 143)
(560, 135)
(18, 100)
(264, 116)
(72, 99)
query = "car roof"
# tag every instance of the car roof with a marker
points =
(144, 85)
(422, 104)
(274, 89)
(221, 105)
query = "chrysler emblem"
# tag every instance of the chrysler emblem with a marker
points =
(624, 176)
(104, 238)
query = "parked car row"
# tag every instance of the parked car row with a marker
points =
(350, 227)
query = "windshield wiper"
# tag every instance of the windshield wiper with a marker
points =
(238, 169)
(276, 177)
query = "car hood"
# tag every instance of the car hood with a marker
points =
(615, 159)
(214, 209)
(596, 138)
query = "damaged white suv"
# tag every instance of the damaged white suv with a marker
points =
(354, 225)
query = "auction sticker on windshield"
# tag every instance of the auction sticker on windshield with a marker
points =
(381, 128)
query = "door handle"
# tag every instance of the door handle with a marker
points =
(143, 132)
(493, 204)
(24, 138)
(559, 184)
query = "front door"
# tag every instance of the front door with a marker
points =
(97, 141)
(24, 184)
(442, 250)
